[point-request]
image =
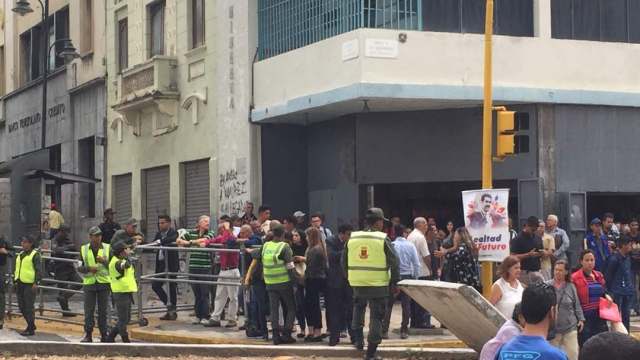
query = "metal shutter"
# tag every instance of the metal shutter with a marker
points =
(122, 197)
(156, 198)
(196, 191)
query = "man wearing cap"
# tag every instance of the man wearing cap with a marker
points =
(95, 266)
(123, 286)
(133, 237)
(65, 270)
(26, 277)
(372, 270)
(108, 226)
(279, 273)
(598, 242)
(55, 220)
(528, 248)
(300, 223)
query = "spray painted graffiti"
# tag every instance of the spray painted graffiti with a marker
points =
(233, 192)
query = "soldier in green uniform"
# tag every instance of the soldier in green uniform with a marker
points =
(123, 286)
(95, 267)
(27, 276)
(372, 271)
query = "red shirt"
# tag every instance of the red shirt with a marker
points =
(228, 259)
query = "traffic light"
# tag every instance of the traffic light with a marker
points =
(505, 139)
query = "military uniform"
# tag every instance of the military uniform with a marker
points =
(27, 273)
(96, 285)
(123, 286)
(372, 267)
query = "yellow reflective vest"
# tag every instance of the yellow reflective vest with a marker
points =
(367, 262)
(25, 271)
(122, 283)
(274, 269)
(102, 276)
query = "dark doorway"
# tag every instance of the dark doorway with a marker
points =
(623, 205)
(441, 200)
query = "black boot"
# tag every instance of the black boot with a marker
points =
(358, 339)
(87, 338)
(287, 338)
(28, 332)
(371, 352)
(111, 337)
(104, 336)
(276, 337)
(334, 339)
(125, 338)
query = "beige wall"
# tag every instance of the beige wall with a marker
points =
(221, 134)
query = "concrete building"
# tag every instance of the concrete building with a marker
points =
(379, 102)
(67, 170)
(180, 141)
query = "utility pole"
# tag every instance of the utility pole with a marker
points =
(487, 142)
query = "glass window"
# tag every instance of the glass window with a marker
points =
(473, 16)
(586, 19)
(123, 44)
(513, 17)
(197, 23)
(561, 19)
(441, 15)
(614, 20)
(156, 25)
(61, 32)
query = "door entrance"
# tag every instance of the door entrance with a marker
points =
(624, 206)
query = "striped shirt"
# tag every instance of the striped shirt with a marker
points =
(199, 259)
(596, 291)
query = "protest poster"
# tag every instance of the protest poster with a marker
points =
(486, 216)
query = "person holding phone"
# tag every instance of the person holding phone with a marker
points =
(528, 248)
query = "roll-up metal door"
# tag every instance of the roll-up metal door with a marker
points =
(122, 197)
(196, 191)
(156, 191)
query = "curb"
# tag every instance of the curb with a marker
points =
(48, 348)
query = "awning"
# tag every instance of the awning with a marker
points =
(60, 177)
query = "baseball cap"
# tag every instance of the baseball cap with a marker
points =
(94, 230)
(376, 213)
(596, 221)
(299, 214)
(131, 221)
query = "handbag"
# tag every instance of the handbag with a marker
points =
(609, 311)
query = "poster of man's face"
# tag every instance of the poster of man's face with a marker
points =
(485, 202)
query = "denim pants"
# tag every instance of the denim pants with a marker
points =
(624, 305)
(200, 293)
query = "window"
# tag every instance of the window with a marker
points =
(596, 20)
(58, 30)
(521, 144)
(86, 26)
(156, 27)
(197, 23)
(30, 45)
(3, 74)
(511, 17)
(123, 44)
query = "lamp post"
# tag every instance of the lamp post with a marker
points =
(68, 52)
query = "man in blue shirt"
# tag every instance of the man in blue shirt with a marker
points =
(409, 269)
(618, 278)
(597, 241)
(539, 312)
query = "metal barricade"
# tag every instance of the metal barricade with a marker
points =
(169, 277)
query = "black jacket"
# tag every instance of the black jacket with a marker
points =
(336, 278)
(63, 244)
(169, 240)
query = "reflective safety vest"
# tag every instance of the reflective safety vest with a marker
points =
(102, 276)
(25, 271)
(367, 262)
(122, 283)
(274, 269)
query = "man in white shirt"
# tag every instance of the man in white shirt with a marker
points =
(420, 318)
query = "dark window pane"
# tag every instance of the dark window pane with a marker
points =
(36, 45)
(61, 32)
(514, 17)
(561, 19)
(441, 15)
(521, 144)
(123, 44)
(614, 20)
(521, 121)
(156, 12)
(586, 17)
(634, 23)
(473, 16)
(197, 11)
(25, 56)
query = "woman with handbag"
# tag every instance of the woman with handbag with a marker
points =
(570, 319)
(590, 286)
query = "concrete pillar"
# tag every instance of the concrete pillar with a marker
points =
(547, 158)
(542, 18)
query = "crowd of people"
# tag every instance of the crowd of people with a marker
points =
(292, 268)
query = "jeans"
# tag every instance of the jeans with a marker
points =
(624, 305)
(96, 294)
(123, 309)
(224, 292)
(593, 325)
(200, 293)
(312, 309)
(419, 316)
(567, 342)
(377, 310)
(157, 287)
(299, 294)
(339, 302)
(258, 308)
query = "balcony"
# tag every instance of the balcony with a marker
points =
(149, 90)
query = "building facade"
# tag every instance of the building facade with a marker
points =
(379, 102)
(69, 168)
(180, 141)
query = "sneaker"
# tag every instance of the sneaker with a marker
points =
(211, 323)
(231, 324)
(404, 334)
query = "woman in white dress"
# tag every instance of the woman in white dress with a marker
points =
(506, 292)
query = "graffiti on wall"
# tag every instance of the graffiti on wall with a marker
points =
(233, 189)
